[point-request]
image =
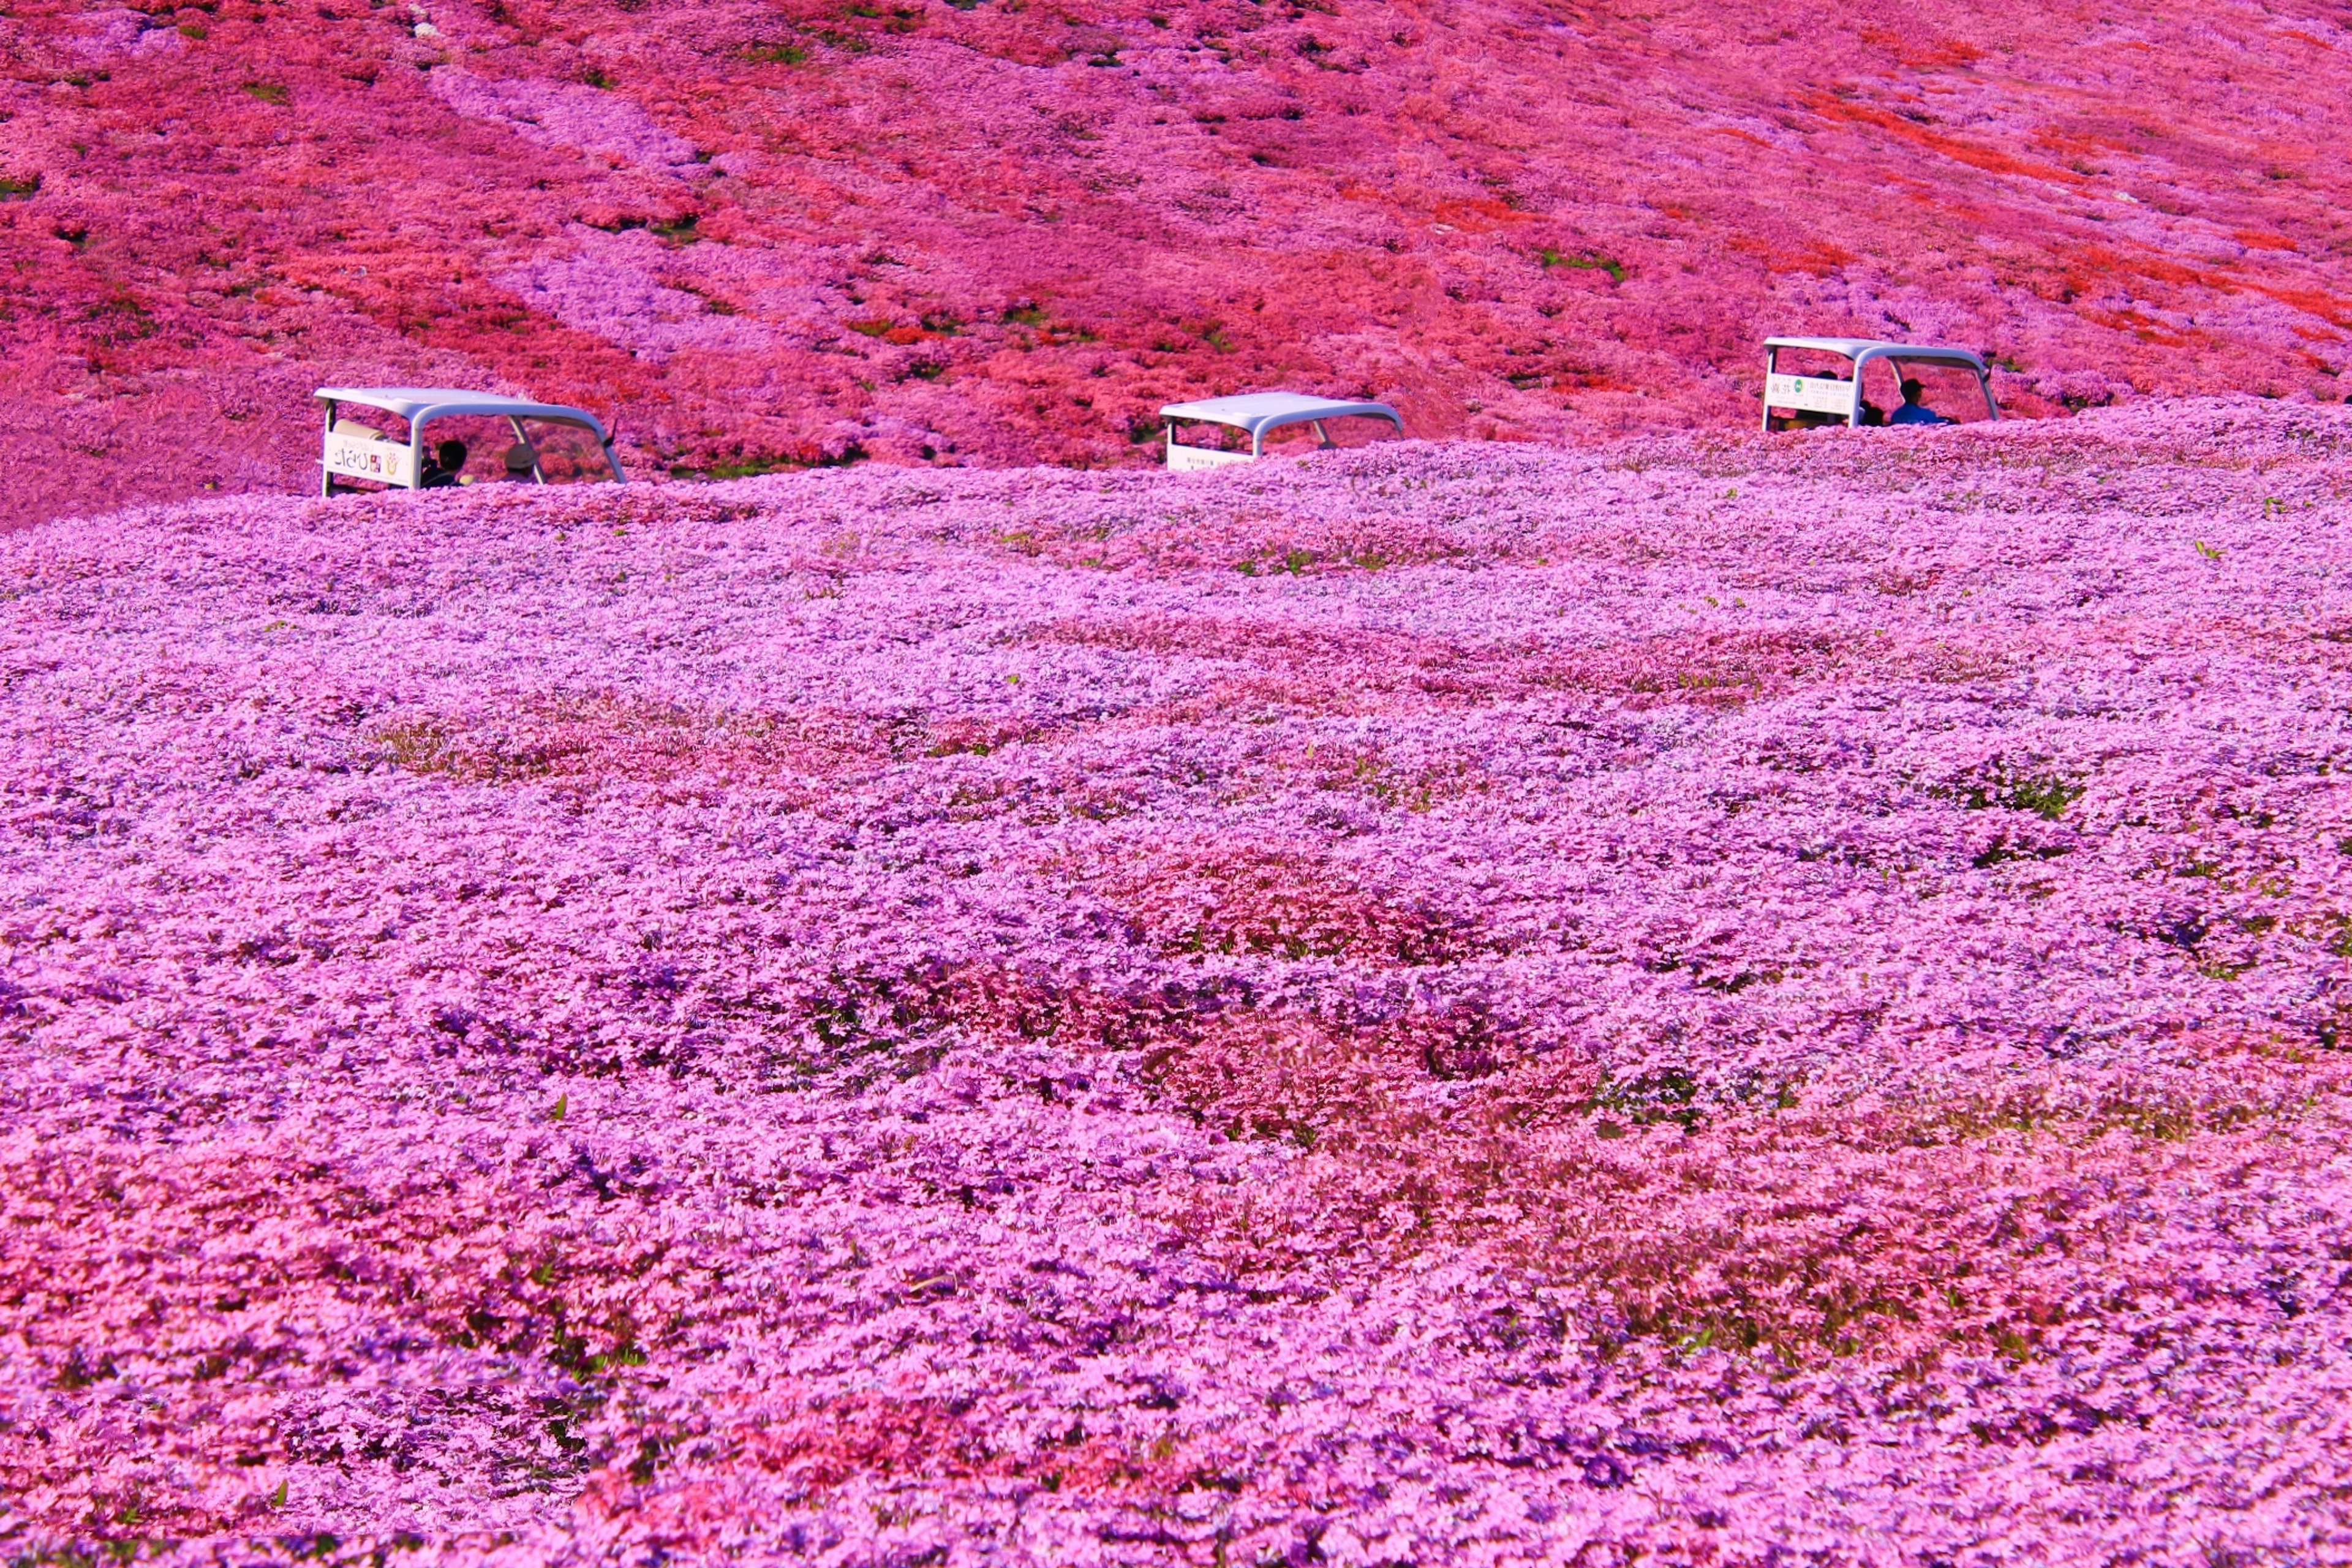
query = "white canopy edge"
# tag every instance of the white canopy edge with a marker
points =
(419, 405)
(1862, 350)
(1259, 412)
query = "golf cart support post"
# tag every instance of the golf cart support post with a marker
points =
(354, 451)
(1826, 395)
(1258, 413)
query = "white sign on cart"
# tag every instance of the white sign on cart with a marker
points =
(358, 452)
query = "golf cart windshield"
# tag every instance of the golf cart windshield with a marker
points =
(427, 437)
(1857, 382)
(1254, 417)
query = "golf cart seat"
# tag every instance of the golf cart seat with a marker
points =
(356, 451)
(1257, 413)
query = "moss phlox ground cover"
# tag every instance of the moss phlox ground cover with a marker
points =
(1705, 1001)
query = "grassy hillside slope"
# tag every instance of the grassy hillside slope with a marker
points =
(1005, 231)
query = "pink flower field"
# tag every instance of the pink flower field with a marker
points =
(1697, 1001)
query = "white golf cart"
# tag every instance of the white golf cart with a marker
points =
(1256, 415)
(357, 451)
(1834, 398)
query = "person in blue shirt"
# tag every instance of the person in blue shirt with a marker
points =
(1912, 411)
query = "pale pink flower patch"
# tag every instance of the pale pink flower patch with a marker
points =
(1715, 1000)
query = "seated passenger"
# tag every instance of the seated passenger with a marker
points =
(1912, 411)
(1871, 413)
(445, 468)
(520, 461)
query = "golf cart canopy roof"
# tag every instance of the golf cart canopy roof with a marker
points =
(1862, 349)
(419, 404)
(1259, 412)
